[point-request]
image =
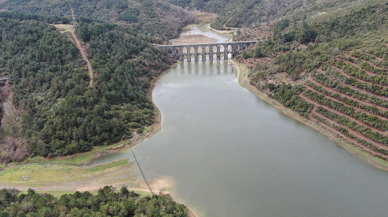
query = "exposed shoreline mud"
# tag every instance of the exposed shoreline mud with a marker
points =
(242, 76)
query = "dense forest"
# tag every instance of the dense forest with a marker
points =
(332, 70)
(237, 13)
(53, 111)
(258, 12)
(59, 114)
(106, 202)
(159, 19)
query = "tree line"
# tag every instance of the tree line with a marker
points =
(107, 202)
(160, 19)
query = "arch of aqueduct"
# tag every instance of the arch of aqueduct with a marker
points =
(177, 51)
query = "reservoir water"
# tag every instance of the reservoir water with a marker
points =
(228, 153)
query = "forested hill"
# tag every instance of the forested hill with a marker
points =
(331, 68)
(249, 13)
(239, 13)
(57, 113)
(159, 19)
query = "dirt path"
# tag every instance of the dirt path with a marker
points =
(220, 31)
(84, 57)
(228, 21)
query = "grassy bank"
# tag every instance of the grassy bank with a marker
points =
(242, 74)
(60, 179)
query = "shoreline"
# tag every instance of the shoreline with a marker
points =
(243, 80)
(157, 125)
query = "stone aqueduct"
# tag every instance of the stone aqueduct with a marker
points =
(177, 51)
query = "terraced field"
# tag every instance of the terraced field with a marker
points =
(349, 94)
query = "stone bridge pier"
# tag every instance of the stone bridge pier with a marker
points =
(210, 50)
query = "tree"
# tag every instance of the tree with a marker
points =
(308, 34)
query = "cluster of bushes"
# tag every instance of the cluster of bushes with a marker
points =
(354, 71)
(346, 133)
(365, 19)
(338, 76)
(367, 57)
(47, 19)
(323, 79)
(348, 101)
(367, 132)
(288, 96)
(371, 120)
(106, 202)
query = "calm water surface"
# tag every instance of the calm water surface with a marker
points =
(228, 153)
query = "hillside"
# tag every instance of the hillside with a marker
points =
(157, 18)
(49, 110)
(237, 13)
(291, 18)
(52, 110)
(258, 13)
(332, 71)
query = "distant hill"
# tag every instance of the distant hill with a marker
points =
(160, 19)
(249, 13)
(238, 13)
